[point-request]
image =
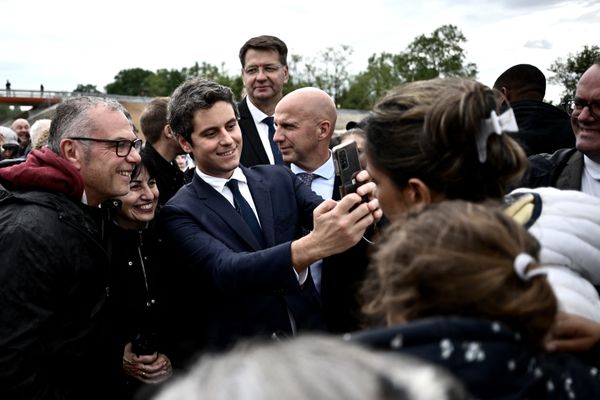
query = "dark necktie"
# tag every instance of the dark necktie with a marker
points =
(306, 178)
(276, 153)
(244, 209)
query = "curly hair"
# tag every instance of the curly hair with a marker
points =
(456, 257)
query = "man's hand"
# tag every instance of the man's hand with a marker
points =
(572, 333)
(337, 225)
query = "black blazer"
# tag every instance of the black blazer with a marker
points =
(224, 285)
(253, 151)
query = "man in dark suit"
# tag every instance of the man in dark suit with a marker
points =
(240, 275)
(305, 121)
(264, 72)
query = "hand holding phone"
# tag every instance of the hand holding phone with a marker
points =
(347, 166)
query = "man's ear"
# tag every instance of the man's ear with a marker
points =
(71, 152)
(168, 133)
(325, 130)
(184, 144)
(419, 193)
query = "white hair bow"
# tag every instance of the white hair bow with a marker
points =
(520, 264)
(506, 122)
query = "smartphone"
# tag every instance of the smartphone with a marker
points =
(347, 166)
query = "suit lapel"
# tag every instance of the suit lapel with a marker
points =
(251, 140)
(223, 209)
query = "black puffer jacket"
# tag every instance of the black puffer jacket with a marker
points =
(53, 275)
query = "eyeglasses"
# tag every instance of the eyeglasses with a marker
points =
(576, 106)
(122, 146)
(267, 69)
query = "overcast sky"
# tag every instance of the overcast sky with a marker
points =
(63, 43)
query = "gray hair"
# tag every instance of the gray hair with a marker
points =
(312, 367)
(72, 118)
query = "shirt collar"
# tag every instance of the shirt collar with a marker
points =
(593, 168)
(325, 171)
(257, 115)
(219, 183)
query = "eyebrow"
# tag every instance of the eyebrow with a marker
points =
(234, 119)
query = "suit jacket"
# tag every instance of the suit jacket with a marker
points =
(225, 286)
(253, 151)
(341, 278)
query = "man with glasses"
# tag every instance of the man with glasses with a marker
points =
(577, 168)
(264, 72)
(53, 329)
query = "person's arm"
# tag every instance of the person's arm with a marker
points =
(337, 225)
(571, 332)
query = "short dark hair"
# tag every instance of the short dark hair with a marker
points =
(522, 78)
(191, 96)
(154, 119)
(265, 42)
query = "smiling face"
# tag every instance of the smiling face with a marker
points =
(105, 174)
(21, 127)
(139, 205)
(264, 76)
(216, 141)
(585, 126)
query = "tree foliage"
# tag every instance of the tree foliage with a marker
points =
(567, 73)
(437, 55)
(130, 82)
(88, 88)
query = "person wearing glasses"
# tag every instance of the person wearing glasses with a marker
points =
(54, 333)
(264, 72)
(543, 128)
(576, 168)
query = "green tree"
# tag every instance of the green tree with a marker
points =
(86, 89)
(328, 71)
(567, 73)
(216, 74)
(163, 82)
(438, 55)
(131, 82)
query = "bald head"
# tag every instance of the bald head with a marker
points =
(305, 121)
(21, 127)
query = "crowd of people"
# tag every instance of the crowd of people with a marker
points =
(218, 257)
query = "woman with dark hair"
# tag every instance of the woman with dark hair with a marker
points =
(134, 292)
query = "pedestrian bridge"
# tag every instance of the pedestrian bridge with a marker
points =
(31, 97)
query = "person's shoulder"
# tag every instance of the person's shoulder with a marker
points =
(268, 171)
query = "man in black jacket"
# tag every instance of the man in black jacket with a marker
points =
(53, 342)
(543, 128)
(161, 148)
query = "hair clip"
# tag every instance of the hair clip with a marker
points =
(506, 122)
(520, 264)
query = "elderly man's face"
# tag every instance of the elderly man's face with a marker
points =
(21, 127)
(585, 126)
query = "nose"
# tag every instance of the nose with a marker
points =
(134, 156)
(226, 138)
(147, 193)
(278, 136)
